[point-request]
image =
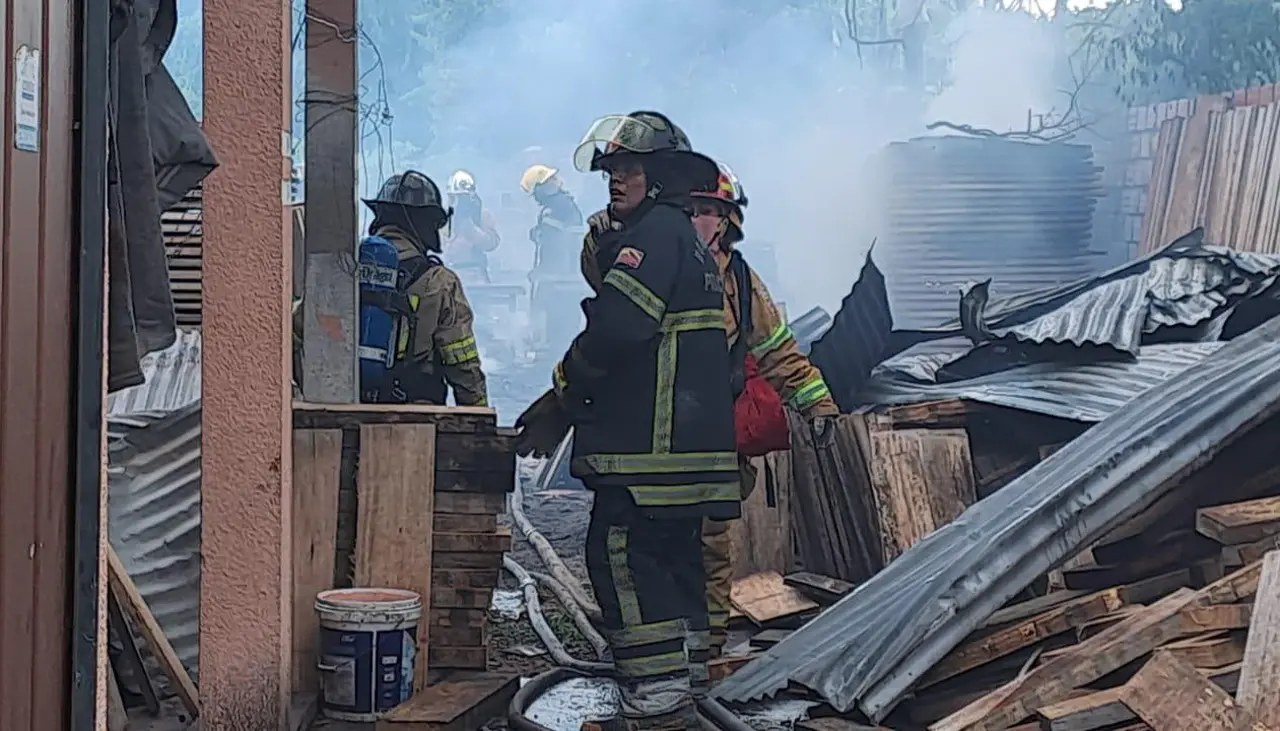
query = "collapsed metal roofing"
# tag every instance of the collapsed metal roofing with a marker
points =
(869, 648)
(1088, 392)
(1186, 292)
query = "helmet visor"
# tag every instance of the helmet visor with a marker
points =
(616, 133)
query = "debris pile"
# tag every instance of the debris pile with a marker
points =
(1059, 519)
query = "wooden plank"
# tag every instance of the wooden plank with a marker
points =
(1169, 695)
(471, 503)
(1260, 672)
(1032, 607)
(761, 539)
(1090, 660)
(822, 589)
(1082, 664)
(1244, 522)
(462, 523)
(460, 702)
(480, 453)
(722, 667)
(497, 542)
(446, 597)
(465, 578)
(1217, 617)
(500, 481)
(459, 560)
(1155, 587)
(768, 638)
(921, 479)
(463, 658)
(317, 469)
(1006, 641)
(393, 525)
(1106, 708)
(135, 606)
(447, 419)
(764, 598)
(946, 413)
(1210, 652)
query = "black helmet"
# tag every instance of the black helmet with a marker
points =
(410, 189)
(641, 133)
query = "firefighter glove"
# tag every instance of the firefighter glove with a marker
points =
(599, 222)
(824, 431)
(542, 426)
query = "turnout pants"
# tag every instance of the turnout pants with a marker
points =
(717, 564)
(647, 576)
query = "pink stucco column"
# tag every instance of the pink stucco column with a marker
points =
(245, 602)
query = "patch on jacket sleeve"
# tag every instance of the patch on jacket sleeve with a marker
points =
(629, 257)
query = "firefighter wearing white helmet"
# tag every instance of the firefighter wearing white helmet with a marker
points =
(474, 234)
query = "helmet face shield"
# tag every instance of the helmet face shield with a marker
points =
(621, 133)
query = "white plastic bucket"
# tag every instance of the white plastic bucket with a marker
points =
(368, 643)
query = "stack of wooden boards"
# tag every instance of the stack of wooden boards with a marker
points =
(408, 497)
(1168, 633)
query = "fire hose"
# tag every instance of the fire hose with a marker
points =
(712, 714)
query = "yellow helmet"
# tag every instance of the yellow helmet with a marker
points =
(536, 175)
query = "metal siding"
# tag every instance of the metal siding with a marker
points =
(154, 517)
(173, 378)
(962, 210)
(36, 290)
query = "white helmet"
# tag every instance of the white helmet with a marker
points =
(461, 182)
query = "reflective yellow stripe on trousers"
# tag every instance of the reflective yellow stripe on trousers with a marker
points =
(640, 649)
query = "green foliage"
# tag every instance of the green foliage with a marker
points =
(1207, 46)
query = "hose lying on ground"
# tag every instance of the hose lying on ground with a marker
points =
(713, 716)
(540, 626)
(549, 556)
(579, 617)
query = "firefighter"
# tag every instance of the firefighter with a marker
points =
(435, 345)
(555, 236)
(646, 387)
(474, 233)
(717, 217)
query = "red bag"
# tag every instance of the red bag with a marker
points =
(758, 418)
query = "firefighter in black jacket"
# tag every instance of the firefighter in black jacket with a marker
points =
(646, 386)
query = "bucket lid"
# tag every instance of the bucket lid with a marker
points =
(373, 599)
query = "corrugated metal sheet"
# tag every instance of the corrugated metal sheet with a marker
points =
(154, 517)
(173, 380)
(1185, 285)
(1087, 392)
(964, 209)
(38, 206)
(1186, 292)
(182, 226)
(871, 646)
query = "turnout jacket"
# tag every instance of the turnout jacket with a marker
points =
(647, 380)
(787, 370)
(440, 347)
(792, 375)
